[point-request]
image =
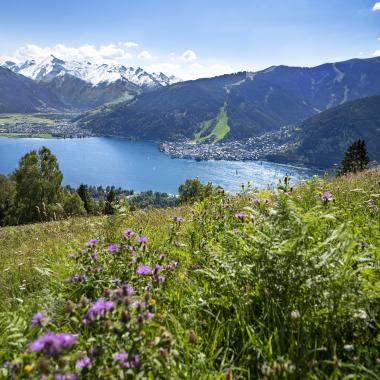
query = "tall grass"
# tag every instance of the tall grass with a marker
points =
(265, 284)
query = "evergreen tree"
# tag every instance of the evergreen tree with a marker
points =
(355, 159)
(109, 207)
(85, 196)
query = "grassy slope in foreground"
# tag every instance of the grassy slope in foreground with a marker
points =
(267, 284)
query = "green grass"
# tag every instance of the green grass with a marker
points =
(288, 290)
(23, 135)
(218, 132)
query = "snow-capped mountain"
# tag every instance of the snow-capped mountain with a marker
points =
(95, 74)
(84, 85)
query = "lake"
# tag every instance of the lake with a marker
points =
(141, 166)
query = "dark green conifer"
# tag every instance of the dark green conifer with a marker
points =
(355, 159)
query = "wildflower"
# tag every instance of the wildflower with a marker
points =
(114, 248)
(67, 376)
(121, 357)
(326, 196)
(163, 255)
(172, 265)
(136, 359)
(83, 362)
(99, 308)
(144, 270)
(348, 347)
(256, 201)
(28, 368)
(157, 269)
(127, 290)
(295, 314)
(128, 233)
(52, 343)
(178, 219)
(92, 242)
(142, 239)
(76, 278)
(240, 215)
(40, 319)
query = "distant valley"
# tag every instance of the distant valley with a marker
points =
(307, 103)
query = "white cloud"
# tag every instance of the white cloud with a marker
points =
(145, 55)
(376, 53)
(189, 55)
(31, 51)
(110, 52)
(129, 45)
(376, 7)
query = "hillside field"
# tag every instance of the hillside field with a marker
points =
(269, 284)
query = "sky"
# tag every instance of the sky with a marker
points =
(191, 38)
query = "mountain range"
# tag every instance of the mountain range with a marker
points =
(254, 103)
(83, 85)
(317, 103)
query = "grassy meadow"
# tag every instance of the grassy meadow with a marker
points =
(270, 284)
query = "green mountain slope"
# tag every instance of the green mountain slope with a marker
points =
(322, 139)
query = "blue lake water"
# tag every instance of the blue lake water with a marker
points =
(141, 166)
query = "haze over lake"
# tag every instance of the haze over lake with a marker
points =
(140, 165)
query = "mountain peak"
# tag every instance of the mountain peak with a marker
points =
(94, 73)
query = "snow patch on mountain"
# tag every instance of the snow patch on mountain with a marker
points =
(52, 67)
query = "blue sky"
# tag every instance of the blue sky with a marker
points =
(192, 38)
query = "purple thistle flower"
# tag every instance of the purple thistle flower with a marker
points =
(157, 269)
(39, 319)
(178, 219)
(256, 201)
(92, 242)
(83, 362)
(142, 239)
(99, 308)
(136, 359)
(121, 357)
(128, 233)
(94, 255)
(240, 215)
(172, 265)
(52, 343)
(114, 248)
(144, 270)
(326, 196)
(66, 376)
(127, 290)
(163, 255)
(76, 278)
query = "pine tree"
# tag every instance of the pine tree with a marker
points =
(355, 159)
(109, 208)
(85, 196)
